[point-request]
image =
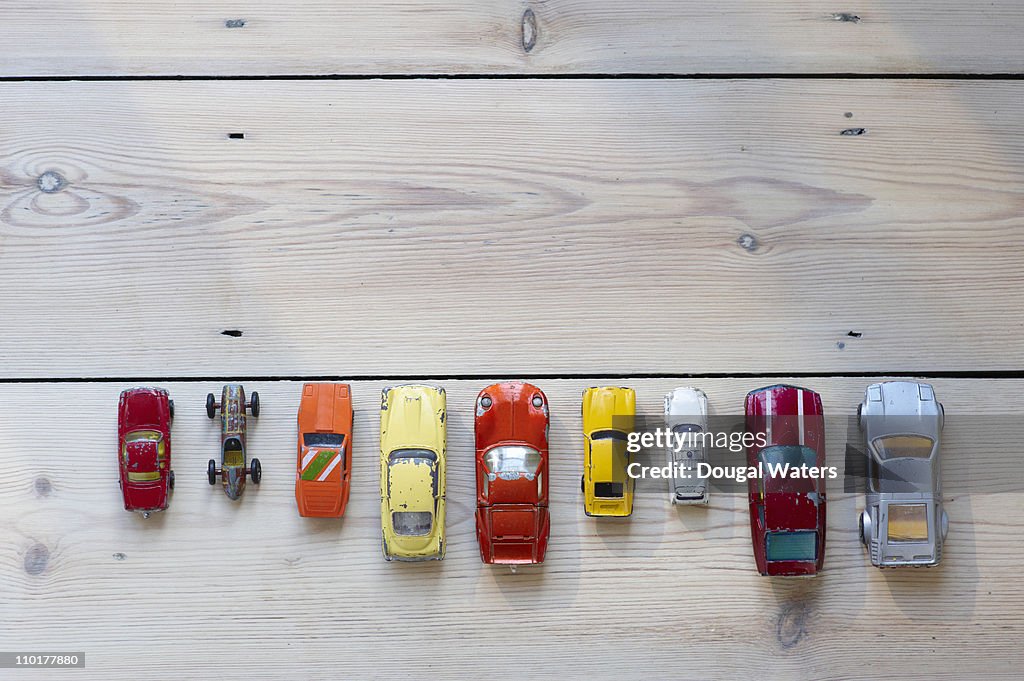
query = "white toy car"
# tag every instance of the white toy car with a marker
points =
(686, 413)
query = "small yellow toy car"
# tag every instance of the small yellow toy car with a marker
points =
(608, 415)
(412, 472)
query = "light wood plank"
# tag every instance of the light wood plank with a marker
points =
(492, 36)
(468, 227)
(248, 590)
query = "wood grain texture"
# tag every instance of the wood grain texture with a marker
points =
(509, 37)
(248, 590)
(498, 227)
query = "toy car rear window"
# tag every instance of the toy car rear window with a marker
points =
(322, 439)
(687, 428)
(512, 460)
(908, 523)
(903, 446)
(609, 435)
(802, 546)
(401, 455)
(608, 490)
(794, 455)
(412, 523)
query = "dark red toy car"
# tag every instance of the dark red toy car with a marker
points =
(787, 512)
(144, 418)
(512, 522)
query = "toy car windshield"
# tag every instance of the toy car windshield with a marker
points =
(609, 435)
(904, 447)
(412, 456)
(801, 546)
(511, 461)
(412, 523)
(323, 439)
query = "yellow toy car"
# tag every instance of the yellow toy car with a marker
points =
(412, 472)
(608, 415)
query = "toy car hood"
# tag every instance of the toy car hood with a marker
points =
(687, 406)
(143, 409)
(610, 408)
(512, 417)
(413, 418)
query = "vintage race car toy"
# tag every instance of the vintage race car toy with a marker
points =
(608, 415)
(512, 522)
(686, 413)
(787, 514)
(412, 472)
(144, 417)
(903, 523)
(233, 462)
(323, 468)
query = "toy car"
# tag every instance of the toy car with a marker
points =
(608, 415)
(686, 413)
(412, 472)
(144, 417)
(323, 468)
(512, 521)
(787, 514)
(233, 467)
(903, 523)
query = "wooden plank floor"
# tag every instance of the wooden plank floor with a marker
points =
(213, 580)
(548, 227)
(650, 194)
(193, 37)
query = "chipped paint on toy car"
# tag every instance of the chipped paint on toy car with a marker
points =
(413, 437)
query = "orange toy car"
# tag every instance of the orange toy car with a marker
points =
(324, 466)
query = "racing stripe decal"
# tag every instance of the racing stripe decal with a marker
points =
(800, 413)
(320, 462)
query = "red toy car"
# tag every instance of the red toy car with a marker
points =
(787, 512)
(512, 522)
(144, 418)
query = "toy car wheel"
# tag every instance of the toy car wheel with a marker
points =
(384, 547)
(256, 471)
(864, 525)
(440, 550)
(942, 417)
(582, 488)
(211, 472)
(254, 404)
(944, 524)
(211, 405)
(170, 407)
(170, 480)
(860, 416)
